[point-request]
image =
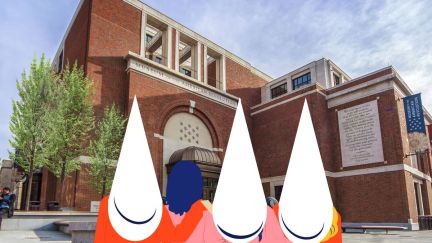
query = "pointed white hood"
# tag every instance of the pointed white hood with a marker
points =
(239, 207)
(135, 204)
(306, 207)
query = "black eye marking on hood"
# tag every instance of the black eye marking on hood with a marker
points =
(130, 220)
(239, 237)
(299, 236)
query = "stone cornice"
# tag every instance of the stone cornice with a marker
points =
(160, 72)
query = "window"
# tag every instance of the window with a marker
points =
(148, 38)
(209, 188)
(278, 90)
(186, 71)
(158, 59)
(336, 79)
(302, 80)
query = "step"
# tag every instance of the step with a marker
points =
(44, 220)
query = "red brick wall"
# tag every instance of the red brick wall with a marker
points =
(85, 192)
(158, 101)
(381, 197)
(173, 48)
(114, 31)
(211, 74)
(78, 192)
(242, 83)
(274, 131)
(374, 198)
(75, 47)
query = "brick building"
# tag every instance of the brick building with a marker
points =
(188, 87)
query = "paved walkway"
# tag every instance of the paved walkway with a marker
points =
(392, 237)
(34, 236)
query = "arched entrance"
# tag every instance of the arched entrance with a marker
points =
(186, 137)
(208, 162)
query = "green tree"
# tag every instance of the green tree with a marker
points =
(104, 150)
(71, 120)
(28, 121)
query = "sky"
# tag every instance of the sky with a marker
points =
(276, 36)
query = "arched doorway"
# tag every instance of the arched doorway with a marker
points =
(186, 137)
(208, 162)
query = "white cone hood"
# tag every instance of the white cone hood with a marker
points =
(135, 204)
(239, 207)
(306, 207)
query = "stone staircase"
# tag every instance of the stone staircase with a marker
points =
(80, 231)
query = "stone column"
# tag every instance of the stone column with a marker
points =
(196, 61)
(176, 50)
(223, 73)
(205, 64)
(143, 34)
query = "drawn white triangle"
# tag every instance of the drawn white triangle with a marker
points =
(239, 207)
(135, 203)
(306, 207)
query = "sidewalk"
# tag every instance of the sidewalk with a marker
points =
(392, 237)
(34, 236)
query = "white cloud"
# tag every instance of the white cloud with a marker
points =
(279, 36)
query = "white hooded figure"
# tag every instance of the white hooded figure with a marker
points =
(135, 203)
(306, 207)
(239, 180)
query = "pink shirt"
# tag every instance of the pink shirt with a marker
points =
(206, 231)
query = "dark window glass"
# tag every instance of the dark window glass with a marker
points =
(336, 79)
(302, 80)
(278, 90)
(186, 72)
(148, 38)
(158, 60)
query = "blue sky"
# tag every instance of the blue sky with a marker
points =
(277, 36)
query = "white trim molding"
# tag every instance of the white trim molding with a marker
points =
(366, 171)
(285, 101)
(160, 72)
(143, 43)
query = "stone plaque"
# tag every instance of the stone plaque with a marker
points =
(360, 135)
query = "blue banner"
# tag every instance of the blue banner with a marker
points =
(414, 114)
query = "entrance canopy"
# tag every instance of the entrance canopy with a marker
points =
(199, 155)
(208, 162)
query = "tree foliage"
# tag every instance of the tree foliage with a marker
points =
(71, 120)
(105, 149)
(28, 122)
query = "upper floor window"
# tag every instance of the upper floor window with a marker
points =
(336, 79)
(158, 59)
(186, 71)
(148, 38)
(278, 90)
(302, 80)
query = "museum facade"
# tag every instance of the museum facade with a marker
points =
(188, 88)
